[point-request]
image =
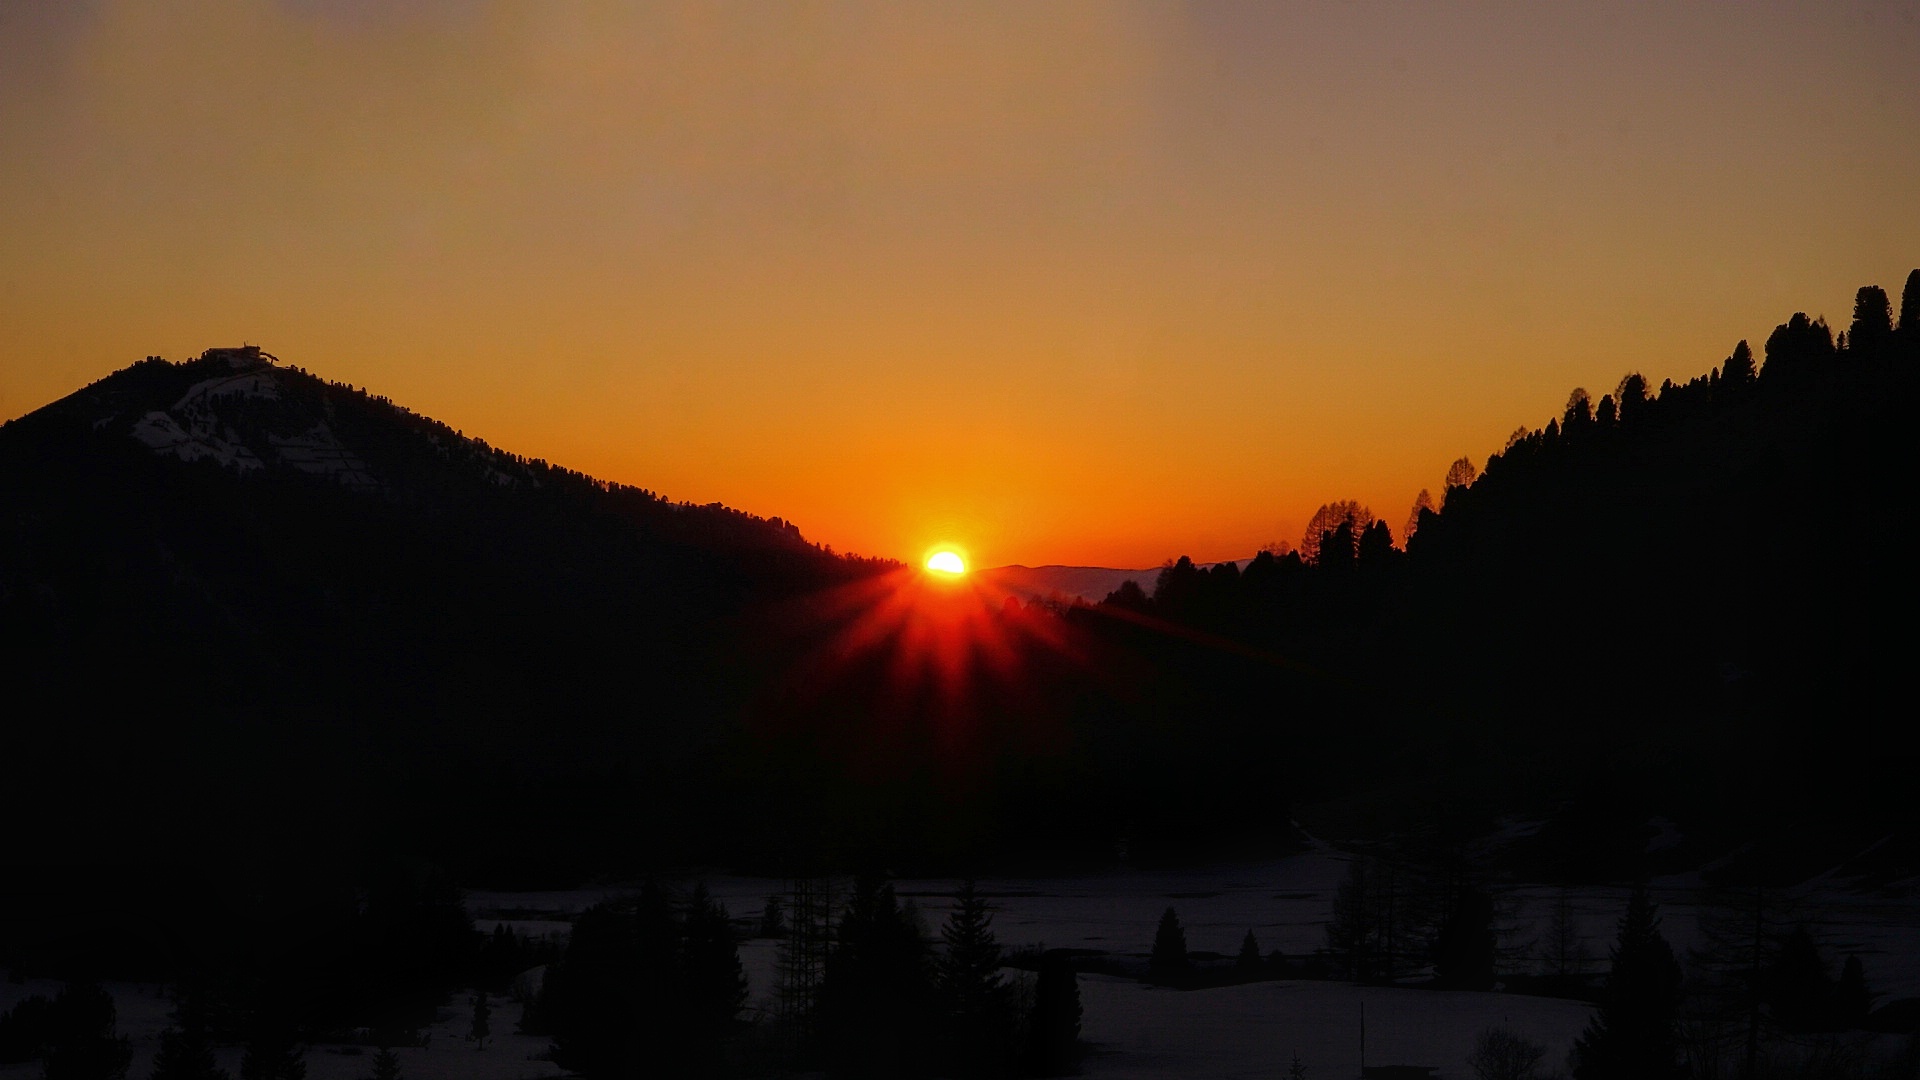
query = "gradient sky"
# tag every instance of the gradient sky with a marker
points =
(1083, 283)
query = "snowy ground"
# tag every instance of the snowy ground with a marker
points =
(1254, 1030)
(144, 1011)
(1134, 1030)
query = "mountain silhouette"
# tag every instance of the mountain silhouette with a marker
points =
(232, 579)
(1089, 584)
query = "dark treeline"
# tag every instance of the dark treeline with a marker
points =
(1672, 600)
(1643, 607)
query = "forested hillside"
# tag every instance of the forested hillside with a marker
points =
(228, 584)
(1687, 599)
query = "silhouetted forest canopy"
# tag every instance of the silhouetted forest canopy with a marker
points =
(1672, 600)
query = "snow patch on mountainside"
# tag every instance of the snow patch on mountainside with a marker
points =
(200, 438)
(317, 452)
(193, 429)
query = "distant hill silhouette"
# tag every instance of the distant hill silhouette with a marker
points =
(1088, 584)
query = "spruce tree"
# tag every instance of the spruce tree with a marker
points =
(1872, 327)
(1909, 329)
(589, 1002)
(876, 996)
(1851, 1001)
(715, 982)
(386, 1065)
(1053, 1029)
(1247, 963)
(482, 1025)
(186, 1049)
(1738, 371)
(1799, 988)
(1168, 961)
(81, 1042)
(975, 998)
(1633, 1034)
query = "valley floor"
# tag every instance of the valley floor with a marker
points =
(1134, 1030)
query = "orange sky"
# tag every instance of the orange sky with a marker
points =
(1083, 283)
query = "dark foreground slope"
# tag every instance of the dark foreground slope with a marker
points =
(234, 595)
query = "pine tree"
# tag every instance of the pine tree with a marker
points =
(1799, 988)
(386, 1065)
(975, 997)
(1909, 329)
(481, 1027)
(588, 1000)
(1296, 1070)
(716, 984)
(1872, 327)
(1851, 1001)
(1247, 963)
(1738, 372)
(876, 996)
(186, 1049)
(1633, 1034)
(1168, 961)
(1053, 1030)
(81, 1043)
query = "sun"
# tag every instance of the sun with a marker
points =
(947, 562)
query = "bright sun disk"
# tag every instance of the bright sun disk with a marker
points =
(946, 562)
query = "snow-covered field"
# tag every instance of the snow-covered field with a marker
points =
(1134, 1030)
(145, 1011)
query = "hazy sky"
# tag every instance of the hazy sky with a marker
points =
(1098, 283)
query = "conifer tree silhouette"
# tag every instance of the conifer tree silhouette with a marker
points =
(1872, 328)
(974, 997)
(1247, 962)
(589, 1000)
(1053, 1029)
(716, 983)
(82, 1043)
(1738, 371)
(876, 997)
(386, 1065)
(1799, 988)
(186, 1048)
(1633, 1035)
(481, 1025)
(1909, 328)
(1168, 962)
(1851, 1001)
